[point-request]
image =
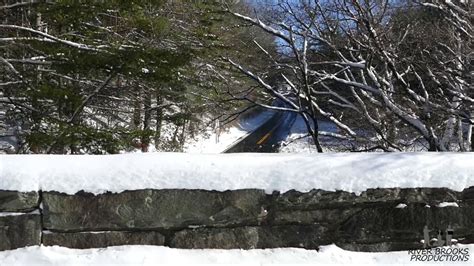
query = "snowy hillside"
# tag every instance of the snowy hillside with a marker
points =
(217, 140)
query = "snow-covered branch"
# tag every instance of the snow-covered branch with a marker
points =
(80, 46)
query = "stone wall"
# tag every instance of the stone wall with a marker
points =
(372, 221)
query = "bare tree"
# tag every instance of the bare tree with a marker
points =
(347, 66)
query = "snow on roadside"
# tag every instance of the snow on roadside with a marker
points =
(214, 141)
(298, 140)
(353, 172)
(154, 255)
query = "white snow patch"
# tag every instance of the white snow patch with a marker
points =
(447, 204)
(298, 140)
(282, 172)
(4, 214)
(48, 232)
(401, 206)
(216, 139)
(213, 142)
(154, 255)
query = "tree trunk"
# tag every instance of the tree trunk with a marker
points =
(432, 144)
(145, 136)
(159, 121)
(313, 131)
(136, 111)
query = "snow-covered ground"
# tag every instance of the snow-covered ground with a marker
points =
(213, 142)
(353, 172)
(216, 141)
(298, 140)
(152, 255)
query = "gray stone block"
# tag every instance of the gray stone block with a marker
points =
(249, 237)
(390, 224)
(329, 217)
(468, 193)
(321, 199)
(314, 199)
(152, 209)
(102, 239)
(298, 236)
(220, 238)
(14, 201)
(381, 247)
(19, 231)
(409, 195)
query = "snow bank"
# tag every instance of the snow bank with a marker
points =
(282, 172)
(150, 255)
(214, 141)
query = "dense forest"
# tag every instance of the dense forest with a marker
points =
(97, 77)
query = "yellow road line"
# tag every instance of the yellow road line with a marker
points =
(262, 140)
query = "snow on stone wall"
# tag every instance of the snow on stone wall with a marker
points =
(368, 202)
(270, 172)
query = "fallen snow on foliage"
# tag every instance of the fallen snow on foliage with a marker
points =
(153, 255)
(282, 172)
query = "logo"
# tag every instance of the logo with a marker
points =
(438, 241)
(439, 249)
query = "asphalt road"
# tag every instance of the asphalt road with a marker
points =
(267, 137)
